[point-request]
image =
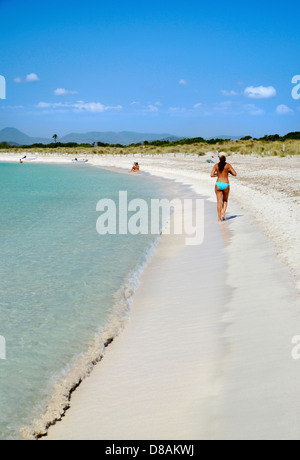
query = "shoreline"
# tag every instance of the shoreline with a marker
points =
(83, 365)
(221, 415)
(151, 335)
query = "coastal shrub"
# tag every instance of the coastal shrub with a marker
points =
(235, 148)
(269, 145)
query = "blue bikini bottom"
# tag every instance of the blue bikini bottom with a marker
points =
(222, 185)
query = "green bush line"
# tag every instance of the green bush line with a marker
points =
(162, 143)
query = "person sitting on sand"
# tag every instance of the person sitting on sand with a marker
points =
(221, 171)
(135, 167)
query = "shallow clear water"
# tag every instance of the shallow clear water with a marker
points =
(59, 278)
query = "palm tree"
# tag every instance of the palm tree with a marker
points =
(55, 136)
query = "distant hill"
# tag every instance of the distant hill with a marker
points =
(109, 137)
(15, 137)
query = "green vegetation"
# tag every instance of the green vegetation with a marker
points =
(269, 145)
(56, 145)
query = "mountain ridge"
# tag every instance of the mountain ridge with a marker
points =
(16, 137)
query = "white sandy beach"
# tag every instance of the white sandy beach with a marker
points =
(206, 353)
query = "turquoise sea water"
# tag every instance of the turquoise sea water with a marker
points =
(60, 282)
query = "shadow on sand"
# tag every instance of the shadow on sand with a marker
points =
(234, 217)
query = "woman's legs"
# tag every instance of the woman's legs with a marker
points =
(219, 194)
(225, 201)
(222, 197)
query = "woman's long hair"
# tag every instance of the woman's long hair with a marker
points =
(222, 163)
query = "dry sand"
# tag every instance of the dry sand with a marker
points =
(207, 351)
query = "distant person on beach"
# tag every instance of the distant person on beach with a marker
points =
(135, 167)
(222, 170)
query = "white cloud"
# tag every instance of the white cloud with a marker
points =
(152, 108)
(89, 106)
(63, 92)
(183, 82)
(12, 107)
(229, 93)
(177, 109)
(260, 92)
(225, 104)
(32, 77)
(253, 109)
(283, 110)
(79, 106)
(146, 108)
(46, 105)
(223, 108)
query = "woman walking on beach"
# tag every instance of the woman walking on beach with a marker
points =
(222, 171)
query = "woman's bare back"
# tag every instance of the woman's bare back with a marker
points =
(223, 175)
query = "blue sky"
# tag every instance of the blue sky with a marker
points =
(186, 68)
